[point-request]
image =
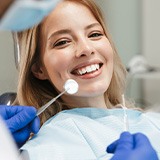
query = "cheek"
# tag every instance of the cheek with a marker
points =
(106, 51)
(56, 62)
(108, 54)
(110, 60)
(55, 66)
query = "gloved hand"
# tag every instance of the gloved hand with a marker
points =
(21, 121)
(132, 147)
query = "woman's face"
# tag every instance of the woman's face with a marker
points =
(73, 45)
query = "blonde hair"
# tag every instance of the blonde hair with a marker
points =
(34, 92)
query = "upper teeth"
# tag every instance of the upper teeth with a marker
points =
(88, 69)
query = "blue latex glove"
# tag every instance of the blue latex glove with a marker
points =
(21, 121)
(132, 147)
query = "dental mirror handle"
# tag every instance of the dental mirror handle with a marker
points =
(126, 123)
(44, 107)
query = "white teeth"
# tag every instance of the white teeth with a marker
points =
(83, 71)
(88, 69)
(97, 66)
(80, 72)
(93, 67)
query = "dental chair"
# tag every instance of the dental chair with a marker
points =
(7, 98)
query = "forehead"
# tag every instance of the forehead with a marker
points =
(66, 14)
(69, 9)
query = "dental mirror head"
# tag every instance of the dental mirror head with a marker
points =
(71, 86)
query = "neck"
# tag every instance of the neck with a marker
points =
(81, 102)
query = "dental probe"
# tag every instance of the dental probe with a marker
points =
(70, 86)
(126, 123)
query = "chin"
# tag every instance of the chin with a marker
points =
(92, 92)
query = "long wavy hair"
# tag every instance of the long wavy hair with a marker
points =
(34, 92)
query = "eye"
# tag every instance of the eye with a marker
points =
(96, 34)
(61, 43)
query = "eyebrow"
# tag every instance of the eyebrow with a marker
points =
(63, 31)
(92, 25)
(68, 31)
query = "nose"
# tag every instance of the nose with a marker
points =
(84, 48)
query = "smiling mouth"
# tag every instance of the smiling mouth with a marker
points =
(87, 69)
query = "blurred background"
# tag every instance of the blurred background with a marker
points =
(134, 26)
(135, 29)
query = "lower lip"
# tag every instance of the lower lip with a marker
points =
(92, 74)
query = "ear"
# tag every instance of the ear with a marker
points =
(38, 72)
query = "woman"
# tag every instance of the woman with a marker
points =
(41, 89)
(72, 42)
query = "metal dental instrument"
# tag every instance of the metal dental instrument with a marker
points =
(70, 86)
(126, 123)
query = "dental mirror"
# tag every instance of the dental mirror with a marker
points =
(70, 86)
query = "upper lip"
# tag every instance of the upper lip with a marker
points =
(86, 63)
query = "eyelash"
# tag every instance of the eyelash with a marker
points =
(61, 43)
(95, 35)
